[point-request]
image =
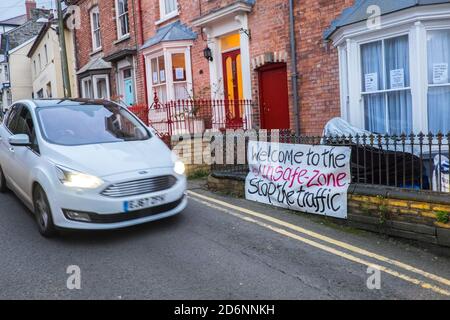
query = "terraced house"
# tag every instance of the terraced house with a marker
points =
(272, 64)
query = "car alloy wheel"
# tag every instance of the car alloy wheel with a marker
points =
(43, 213)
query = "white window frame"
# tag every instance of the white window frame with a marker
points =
(415, 23)
(384, 76)
(120, 33)
(95, 79)
(94, 30)
(167, 50)
(166, 16)
(84, 88)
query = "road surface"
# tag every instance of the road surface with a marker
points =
(218, 248)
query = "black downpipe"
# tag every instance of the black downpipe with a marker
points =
(294, 77)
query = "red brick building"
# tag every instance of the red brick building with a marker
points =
(355, 58)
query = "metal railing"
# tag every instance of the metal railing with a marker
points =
(414, 161)
(196, 116)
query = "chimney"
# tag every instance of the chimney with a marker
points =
(30, 5)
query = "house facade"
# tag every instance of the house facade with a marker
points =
(372, 62)
(45, 58)
(15, 44)
(107, 46)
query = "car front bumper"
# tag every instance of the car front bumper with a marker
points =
(108, 213)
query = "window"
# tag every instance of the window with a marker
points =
(386, 86)
(169, 75)
(438, 81)
(40, 94)
(46, 54)
(6, 73)
(90, 124)
(13, 117)
(168, 8)
(34, 67)
(40, 62)
(158, 71)
(101, 87)
(86, 85)
(95, 29)
(122, 18)
(95, 87)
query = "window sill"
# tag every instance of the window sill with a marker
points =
(96, 51)
(167, 18)
(122, 39)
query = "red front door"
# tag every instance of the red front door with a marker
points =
(274, 100)
(232, 76)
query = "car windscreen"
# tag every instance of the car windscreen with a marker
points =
(89, 124)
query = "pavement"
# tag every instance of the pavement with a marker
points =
(220, 247)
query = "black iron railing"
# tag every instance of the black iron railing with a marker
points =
(414, 161)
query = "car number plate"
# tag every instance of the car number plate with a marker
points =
(143, 203)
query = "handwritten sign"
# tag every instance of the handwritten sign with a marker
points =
(440, 73)
(312, 179)
(371, 82)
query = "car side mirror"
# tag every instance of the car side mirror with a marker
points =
(19, 140)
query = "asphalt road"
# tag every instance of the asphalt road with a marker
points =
(212, 251)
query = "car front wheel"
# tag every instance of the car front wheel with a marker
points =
(42, 213)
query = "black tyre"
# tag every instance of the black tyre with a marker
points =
(3, 186)
(42, 213)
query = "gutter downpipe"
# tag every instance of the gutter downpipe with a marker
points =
(294, 77)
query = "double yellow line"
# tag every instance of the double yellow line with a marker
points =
(275, 225)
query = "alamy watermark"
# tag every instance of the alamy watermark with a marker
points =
(374, 280)
(374, 20)
(74, 280)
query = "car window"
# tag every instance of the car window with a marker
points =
(90, 124)
(22, 123)
(13, 116)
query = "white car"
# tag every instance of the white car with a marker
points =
(87, 164)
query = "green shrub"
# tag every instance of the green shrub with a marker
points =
(442, 216)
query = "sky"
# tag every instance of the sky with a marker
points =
(13, 8)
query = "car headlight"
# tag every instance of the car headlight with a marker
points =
(179, 168)
(74, 179)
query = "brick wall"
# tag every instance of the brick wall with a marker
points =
(110, 42)
(317, 63)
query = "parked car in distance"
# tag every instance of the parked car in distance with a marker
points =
(87, 164)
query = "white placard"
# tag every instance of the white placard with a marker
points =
(397, 79)
(155, 77)
(162, 76)
(440, 73)
(312, 179)
(371, 81)
(179, 74)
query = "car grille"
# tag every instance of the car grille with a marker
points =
(137, 187)
(134, 215)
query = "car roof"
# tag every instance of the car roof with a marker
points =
(44, 103)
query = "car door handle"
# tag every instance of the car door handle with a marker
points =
(11, 149)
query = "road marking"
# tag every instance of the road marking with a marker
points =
(209, 201)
